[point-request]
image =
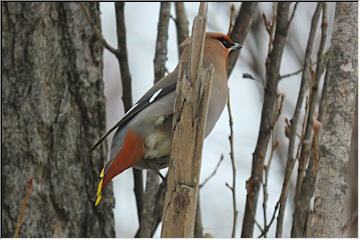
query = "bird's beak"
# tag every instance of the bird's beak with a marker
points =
(235, 46)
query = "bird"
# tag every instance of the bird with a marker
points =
(143, 136)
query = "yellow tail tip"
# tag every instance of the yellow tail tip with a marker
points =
(98, 200)
(99, 187)
(98, 193)
(102, 173)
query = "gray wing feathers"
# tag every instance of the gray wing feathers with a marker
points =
(116, 144)
(167, 83)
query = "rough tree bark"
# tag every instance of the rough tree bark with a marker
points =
(53, 106)
(335, 138)
(350, 228)
(189, 121)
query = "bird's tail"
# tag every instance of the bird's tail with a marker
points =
(100, 186)
(131, 152)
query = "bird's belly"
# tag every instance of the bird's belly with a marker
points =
(156, 150)
(157, 145)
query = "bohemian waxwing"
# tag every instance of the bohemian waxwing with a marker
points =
(143, 135)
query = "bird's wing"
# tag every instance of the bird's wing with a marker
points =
(163, 87)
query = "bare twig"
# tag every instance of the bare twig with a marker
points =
(182, 24)
(275, 145)
(266, 229)
(294, 122)
(123, 56)
(147, 217)
(272, 77)
(241, 28)
(161, 41)
(292, 14)
(291, 74)
(232, 10)
(138, 190)
(306, 145)
(123, 62)
(97, 30)
(233, 188)
(306, 190)
(316, 127)
(295, 73)
(265, 193)
(270, 28)
(213, 172)
(23, 206)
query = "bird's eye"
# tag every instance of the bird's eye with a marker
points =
(225, 42)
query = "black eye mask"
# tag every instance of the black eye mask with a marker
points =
(225, 42)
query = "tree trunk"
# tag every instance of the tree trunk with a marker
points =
(53, 109)
(335, 138)
(189, 121)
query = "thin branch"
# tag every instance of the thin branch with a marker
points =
(294, 122)
(270, 97)
(232, 10)
(147, 217)
(306, 146)
(161, 41)
(306, 190)
(293, 14)
(97, 30)
(173, 18)
(291, 74)
(123, 56)
(270, 28)
(182, 24)
(266, 229)
(123, 62)
(233, 188)
(23, 206)
(294, 73)
(275, 145)
(324, 62)
(241, 28)
(267, 168)
(138, 190)
(213, 172)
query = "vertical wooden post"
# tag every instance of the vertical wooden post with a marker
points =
(189, 122)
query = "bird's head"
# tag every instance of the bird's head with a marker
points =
(221, 42)
(217, 43)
